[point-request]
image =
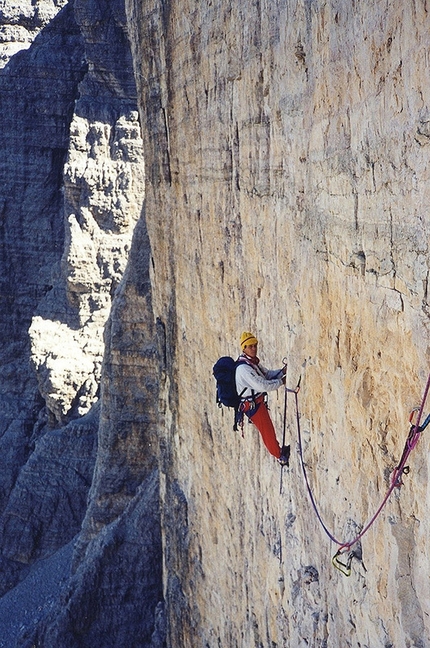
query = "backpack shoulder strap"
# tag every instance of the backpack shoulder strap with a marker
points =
(243, 360)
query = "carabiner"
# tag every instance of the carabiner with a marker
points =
(344, 568)
(414, 411)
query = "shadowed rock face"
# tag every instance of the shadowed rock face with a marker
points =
(38, 90)
(72, 191)
(21, 22)
(111, 597)
(49, 498)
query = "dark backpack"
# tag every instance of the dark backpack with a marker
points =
(224, 371)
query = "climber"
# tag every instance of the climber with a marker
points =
(252, 382)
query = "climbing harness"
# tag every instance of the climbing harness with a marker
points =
(344, 566)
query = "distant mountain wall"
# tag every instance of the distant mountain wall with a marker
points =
(72, 190)
(39, 87)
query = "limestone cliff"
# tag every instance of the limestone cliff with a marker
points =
(286, 149)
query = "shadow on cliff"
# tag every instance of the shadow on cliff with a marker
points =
(38, 90)
(114, 596)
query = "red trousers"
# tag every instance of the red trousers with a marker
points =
(264, 425)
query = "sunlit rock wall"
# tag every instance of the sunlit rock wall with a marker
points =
(287, 158)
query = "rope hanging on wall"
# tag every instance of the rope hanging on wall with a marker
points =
(396, 481)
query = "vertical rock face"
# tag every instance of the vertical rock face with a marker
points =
(103, 195)
(286, 151)
(103, 191)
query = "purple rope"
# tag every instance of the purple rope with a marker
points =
(410, 445)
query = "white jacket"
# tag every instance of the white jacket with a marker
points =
(256, 379)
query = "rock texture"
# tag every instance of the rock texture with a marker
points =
(103, 192)
(115, 595)
(49, 498)
(20, 22)
(38, 89)
(72, 192)
(286, 149)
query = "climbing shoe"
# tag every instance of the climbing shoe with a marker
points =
(284, 459)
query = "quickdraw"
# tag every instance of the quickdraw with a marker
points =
(344, 567)
(411, 441)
